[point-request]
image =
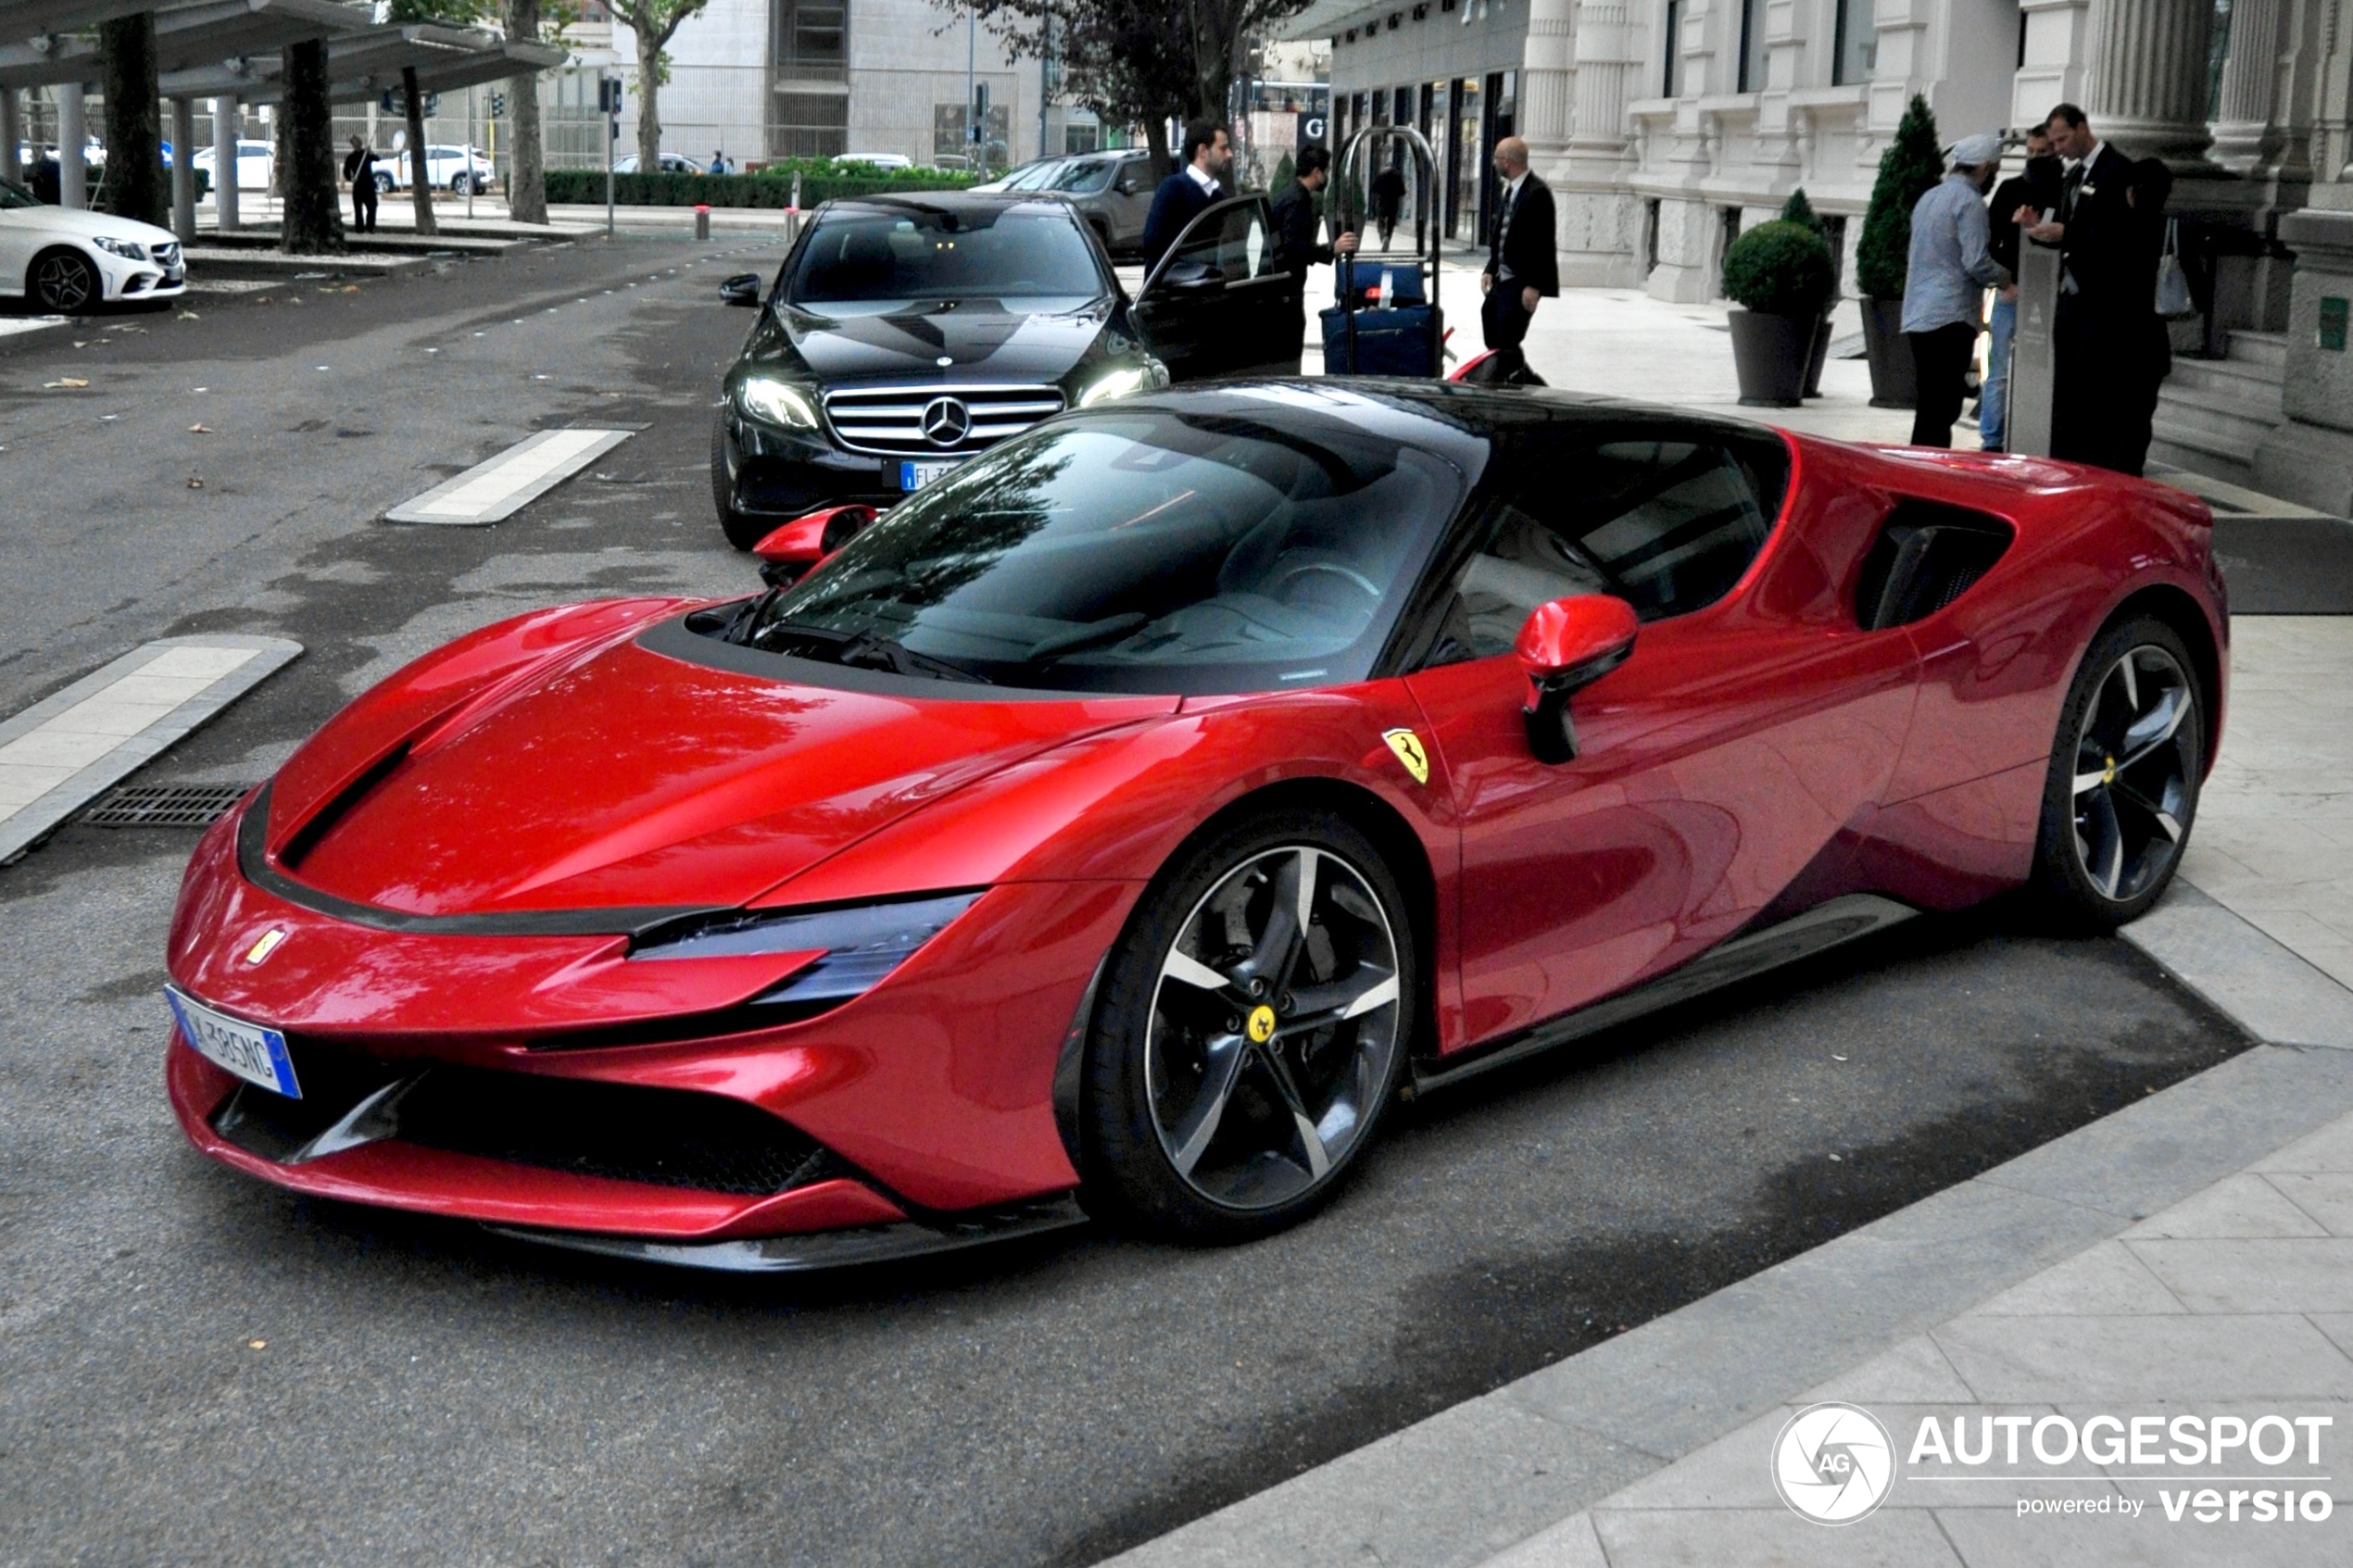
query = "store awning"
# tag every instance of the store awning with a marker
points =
(204, 35)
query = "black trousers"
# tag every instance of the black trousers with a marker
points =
(363, 207)
(1939, 366)
(1503, 322)
(2104, 387)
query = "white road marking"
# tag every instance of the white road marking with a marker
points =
(511, 480)
(63, 750)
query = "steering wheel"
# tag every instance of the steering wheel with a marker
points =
(1348, 574)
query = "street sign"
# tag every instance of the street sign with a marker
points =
(1313, 127)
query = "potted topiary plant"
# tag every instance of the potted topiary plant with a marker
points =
(1797, 210)
(1912, 164)
(1779, 274)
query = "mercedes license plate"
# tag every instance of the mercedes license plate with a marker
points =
(913, 476)
(253, 1053)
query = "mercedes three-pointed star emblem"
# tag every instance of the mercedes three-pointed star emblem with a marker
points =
(946, 421)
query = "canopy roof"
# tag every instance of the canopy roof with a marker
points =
(197, 36)
(363, 64)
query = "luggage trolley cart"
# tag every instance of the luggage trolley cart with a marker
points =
(1398, 331)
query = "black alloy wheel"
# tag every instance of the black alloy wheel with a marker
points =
(742, 532)
(64, 283)
(2124, 778)
(1251, 1029)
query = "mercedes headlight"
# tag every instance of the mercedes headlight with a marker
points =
(779, 403)
(130, 250)
(1119, 383)
(858, 945)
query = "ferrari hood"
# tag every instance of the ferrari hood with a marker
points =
(633, 779)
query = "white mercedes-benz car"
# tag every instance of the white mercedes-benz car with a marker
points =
(66, 261)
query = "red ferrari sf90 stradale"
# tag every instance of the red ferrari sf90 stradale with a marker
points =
(1119, 824)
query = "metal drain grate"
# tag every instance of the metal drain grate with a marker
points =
(165, 806)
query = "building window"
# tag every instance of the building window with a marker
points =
(1751, 67)
(1671, 84)
(809, 125)
(812, 40)
(1856, 48)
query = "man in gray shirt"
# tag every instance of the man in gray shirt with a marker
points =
(1945, 288)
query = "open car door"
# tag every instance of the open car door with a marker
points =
(1217, 304)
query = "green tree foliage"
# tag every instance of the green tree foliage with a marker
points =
(1797, 210)
(1912, 163)
(1779, 268)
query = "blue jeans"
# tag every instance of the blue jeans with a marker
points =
(1993, 402)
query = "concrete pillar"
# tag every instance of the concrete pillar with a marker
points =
(2310, 457)
(1600, 230)
(1547, 77)
(2243, 140)
(225, 126)
(2148, 77)
(183, 170)
(73, 174)
(10, 134)
(2058, 49)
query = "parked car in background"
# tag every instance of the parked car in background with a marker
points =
(67, 261)
(256, 165)
(1113, 191)
(1030, 176)
(877, 160)
(670, 164)
(447, 168)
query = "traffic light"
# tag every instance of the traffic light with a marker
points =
(980, 112)
(497, 104)
(609, 95)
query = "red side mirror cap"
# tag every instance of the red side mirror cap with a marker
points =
(1563, 645)
(789, 552)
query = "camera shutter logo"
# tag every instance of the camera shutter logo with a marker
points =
(1833, 1464)
(946, 421)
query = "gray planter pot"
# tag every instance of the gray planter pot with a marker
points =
(1820, 357)
(1894, 383)
(1770, 354)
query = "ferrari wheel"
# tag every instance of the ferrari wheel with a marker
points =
(2124, 777)
(1251, 1029)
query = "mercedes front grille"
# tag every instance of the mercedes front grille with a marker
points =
(913, 421)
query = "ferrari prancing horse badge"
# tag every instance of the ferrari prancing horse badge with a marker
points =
(1408, 747)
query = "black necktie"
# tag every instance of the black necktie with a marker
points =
(2073, 183)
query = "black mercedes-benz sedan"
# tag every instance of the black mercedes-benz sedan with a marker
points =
(906, 334)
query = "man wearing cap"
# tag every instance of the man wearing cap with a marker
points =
(1945, 287)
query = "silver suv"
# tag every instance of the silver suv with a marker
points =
(1113, 191)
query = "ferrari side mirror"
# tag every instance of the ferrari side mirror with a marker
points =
(1564, 644)
(793, 551)
(741, 288)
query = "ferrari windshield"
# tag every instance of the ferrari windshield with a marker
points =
(866, 256)
(1142, 549)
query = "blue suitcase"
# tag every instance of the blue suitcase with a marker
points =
(1368, 341)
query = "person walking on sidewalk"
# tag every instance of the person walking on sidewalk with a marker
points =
(2035, 189)
(1205, 158)
(1950, 269)
(1523, 264)
(359, 167)
(1388, 198)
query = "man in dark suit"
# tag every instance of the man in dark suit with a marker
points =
(1297, 222)
(2107, 330)
(1201, 166)
(1522, 266)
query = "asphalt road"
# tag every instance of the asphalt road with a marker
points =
(196, 1368)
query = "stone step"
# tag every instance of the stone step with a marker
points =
(2268, 349)
(2238, 426)
(2233, 443)
(2225, 383)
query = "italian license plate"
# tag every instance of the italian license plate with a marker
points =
(253, 1053)
(914, 475)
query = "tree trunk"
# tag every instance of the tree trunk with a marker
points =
(649, 105)
(134, 183)
(312, 216)
(1156, 139)
(420, 172)
(526, 183)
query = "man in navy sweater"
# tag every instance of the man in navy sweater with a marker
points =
(1201, 166)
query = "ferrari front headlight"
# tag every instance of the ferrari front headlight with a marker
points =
(780, 403)
(859, 945)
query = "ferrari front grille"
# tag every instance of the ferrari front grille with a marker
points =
(667, 1138)
(912, 421)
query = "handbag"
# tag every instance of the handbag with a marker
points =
(2173, 301)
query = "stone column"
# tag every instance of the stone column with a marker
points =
(225, 127)
(1547, 77)
(2243, 140)
(73, 174)
(1600, 231)
(2148, 77)
(2308, 458)
(183, 170)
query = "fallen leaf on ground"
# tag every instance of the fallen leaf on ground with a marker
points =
(190, 316)
(194, 484)
(66, 380)
(199, 430)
